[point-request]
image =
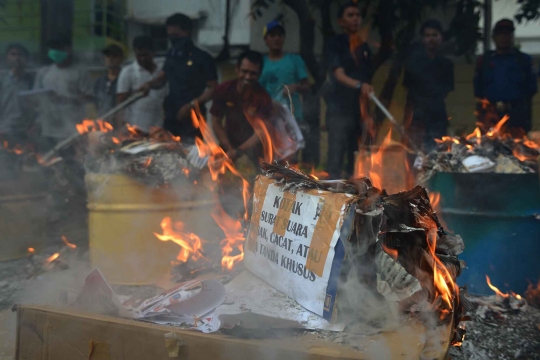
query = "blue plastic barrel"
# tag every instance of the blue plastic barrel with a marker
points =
(498, 216)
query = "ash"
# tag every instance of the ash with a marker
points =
(500, 330)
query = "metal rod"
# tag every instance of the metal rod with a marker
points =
(70, 140)
(395, 124)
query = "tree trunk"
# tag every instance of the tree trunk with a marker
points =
(307, 36)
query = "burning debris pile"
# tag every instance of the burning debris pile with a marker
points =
(502, 326)
(494, 151)
(398, 249)
(155, 158)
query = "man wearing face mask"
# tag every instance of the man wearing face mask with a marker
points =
(69, 89)
(236, 100)
(14, 117)
(191, 75)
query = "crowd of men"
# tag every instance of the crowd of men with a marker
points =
(504, 79)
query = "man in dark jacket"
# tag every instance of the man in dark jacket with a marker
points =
(350, 73)
(507, 80)
(191, 74)
(429, 77)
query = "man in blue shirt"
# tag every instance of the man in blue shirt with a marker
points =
(507, 79)
(282, 71)
(350, 73)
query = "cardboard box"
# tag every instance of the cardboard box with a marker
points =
(48, 333)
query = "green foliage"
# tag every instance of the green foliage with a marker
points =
(528, 10)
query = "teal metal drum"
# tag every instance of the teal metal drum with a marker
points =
(498, 216)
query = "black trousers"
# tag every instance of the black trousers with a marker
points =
(344, 130)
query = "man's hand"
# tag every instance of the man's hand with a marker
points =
(145, 88)
(366, 89)
(184, 112)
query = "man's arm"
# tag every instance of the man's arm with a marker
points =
(302, 85)
(221, 134)
(204, 98)
(158, 82)
(351, 83)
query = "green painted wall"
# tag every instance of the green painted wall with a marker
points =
(20, 21)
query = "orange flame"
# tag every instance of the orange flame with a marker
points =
(234, 238)
(31, 250)
(442, 279)
(147, 162)
(495, 289)
(264, 135)
(93, 125)
(67, 243)
(16, 149)
(218, 162)
(51, 258)
(132, 129)
(376, 163)
(434, 199)
(191, 244)
(475, 134)
(393, 253)
(318, 174)
(496, 130)
(115, 140)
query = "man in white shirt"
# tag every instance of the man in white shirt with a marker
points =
(67, 90)
(148, 111)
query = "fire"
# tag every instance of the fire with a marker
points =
(147, 162)
(93, 125)
(318, 174)
(67, 243)
(442, 279)
(476, 134)
(496, 130)
(393, 253)
(16, 149)
(375, 163)
(132, 129)
(31, 250)
(234, 238)
(115, 140)
(434, 199)
(496, 290)
(264, 135)
(191, 244)
(218, 162)
(51, 258)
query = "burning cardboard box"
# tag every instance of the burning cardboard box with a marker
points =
(335, 246)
